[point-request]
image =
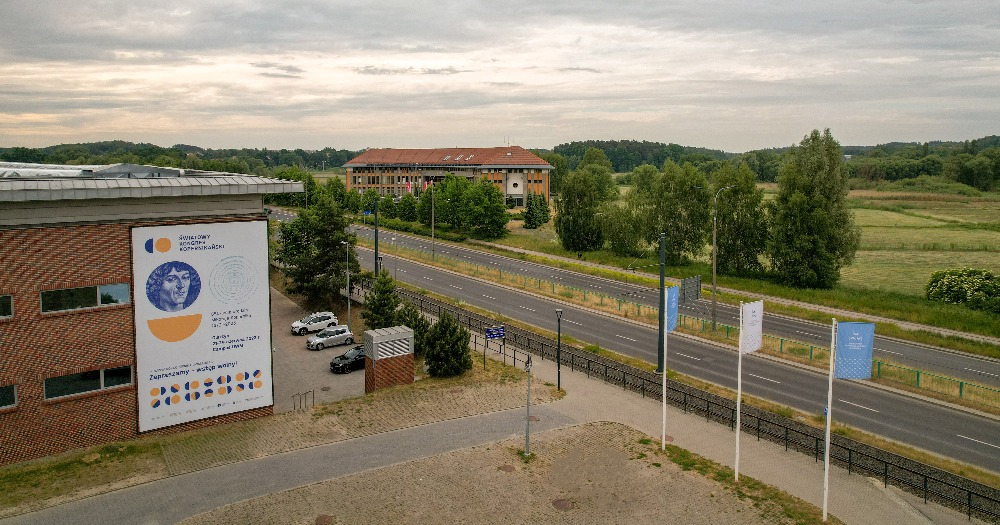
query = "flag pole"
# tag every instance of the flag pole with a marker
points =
(739, 395)
(663, 432)
(829, 418)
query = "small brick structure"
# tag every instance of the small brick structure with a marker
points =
(388, 357)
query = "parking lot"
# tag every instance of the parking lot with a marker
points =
(297, 370)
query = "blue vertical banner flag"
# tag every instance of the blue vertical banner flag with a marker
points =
(854, 350)
(673, 299)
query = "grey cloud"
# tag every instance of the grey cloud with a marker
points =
(372, 70)
(444, 71)
(278, 75)
(582, 69)
(273, 65)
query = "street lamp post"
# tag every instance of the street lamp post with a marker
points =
(432, 220)
(347, 252)
(559, 313)
(715, 213)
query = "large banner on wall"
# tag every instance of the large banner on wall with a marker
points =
(202, 321)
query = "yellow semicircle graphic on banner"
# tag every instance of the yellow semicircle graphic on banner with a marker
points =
(173, 329)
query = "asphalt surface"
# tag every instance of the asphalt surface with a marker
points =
(938, 429)
(926, 358)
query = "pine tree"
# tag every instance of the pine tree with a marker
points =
(410, 317)
(532, 218)
(381, 303)
(312, 253)
(447, 348)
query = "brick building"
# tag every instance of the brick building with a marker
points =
(513, 169)
(72, 355)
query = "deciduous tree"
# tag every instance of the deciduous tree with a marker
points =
(483, 210)
(577, 221)
(812, 233)
(742, 222)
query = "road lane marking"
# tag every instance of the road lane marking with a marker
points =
(628, 338)
(889, 351)
(857, 405)
(573, 322)
(981, 372)
(490, 298)
(456, 287)
(688, 356)
(428, 278)
(526, 308)
(764, 378)
(977, 441)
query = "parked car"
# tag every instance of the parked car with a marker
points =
(313, 322)
(353, 360)
(331, 336)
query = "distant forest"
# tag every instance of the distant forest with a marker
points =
(261, 162)
(972, 162)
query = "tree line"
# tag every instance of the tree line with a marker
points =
(803, 237)
(250, 161)
(975, 163)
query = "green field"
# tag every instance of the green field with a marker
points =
(907, 237)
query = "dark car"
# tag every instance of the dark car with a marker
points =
(353, 360)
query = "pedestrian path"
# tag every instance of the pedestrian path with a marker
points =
(854, 499)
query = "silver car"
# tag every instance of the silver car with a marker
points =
(332, 336)
(313, 322)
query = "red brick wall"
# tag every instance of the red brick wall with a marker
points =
(35, 346)
(397, 370)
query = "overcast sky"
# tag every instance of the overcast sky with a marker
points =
(315, 73)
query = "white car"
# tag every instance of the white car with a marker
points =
(313, 322)
(332, 336)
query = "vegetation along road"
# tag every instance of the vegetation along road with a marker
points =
(954, 364)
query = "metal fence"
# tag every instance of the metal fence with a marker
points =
(931, 483)
(935, 383)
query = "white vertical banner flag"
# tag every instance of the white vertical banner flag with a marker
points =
(751, 326)
(751, 336)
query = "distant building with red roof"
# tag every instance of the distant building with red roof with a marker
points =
(513, 169)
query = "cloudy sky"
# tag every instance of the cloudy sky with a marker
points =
(349, 75)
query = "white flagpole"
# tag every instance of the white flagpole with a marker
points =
(829, 418)
(739, 395)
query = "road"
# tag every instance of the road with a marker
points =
(938, 429)
(966, 367)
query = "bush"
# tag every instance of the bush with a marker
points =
(977, 289)
(420, 229)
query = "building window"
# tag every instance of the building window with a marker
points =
(6, 306)
(72, 384)
(84, 297)
(8, 396)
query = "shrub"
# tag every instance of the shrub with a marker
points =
(974, 288)
(420, 229)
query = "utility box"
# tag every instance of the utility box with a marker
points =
(388, 357)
